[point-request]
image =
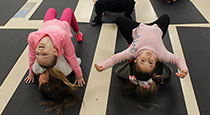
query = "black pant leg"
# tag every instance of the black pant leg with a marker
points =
(99, 8)
(162, 22)
(129, 7)
(125, 26)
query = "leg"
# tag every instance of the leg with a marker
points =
(50, 14)
(129, 9)
(126, 26)
(99, 12)
(162, 22)
(68, 15)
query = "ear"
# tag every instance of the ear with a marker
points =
(55, 51)
(135, 61)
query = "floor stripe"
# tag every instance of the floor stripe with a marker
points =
(24, 22)
(84, 10)
(143, 15)
(13, 79)
(97, 90)
(18, 71)
(204, 7)
(187, 88)
(192, 25)
(24, 10)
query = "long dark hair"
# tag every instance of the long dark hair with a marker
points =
(58, 93)
(144, 97)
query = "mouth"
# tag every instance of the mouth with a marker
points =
(41, 45)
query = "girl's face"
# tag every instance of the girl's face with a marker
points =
(146, 61)
(45, 51)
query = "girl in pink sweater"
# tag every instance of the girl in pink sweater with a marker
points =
(146, 46)
(53, 40)
(146, 53)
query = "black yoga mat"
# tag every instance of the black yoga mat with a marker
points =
(13, 43)
(169, 99)
(180, 12)
(58, 5)
(8, 9)
(196, 46)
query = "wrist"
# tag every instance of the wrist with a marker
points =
(31, 75)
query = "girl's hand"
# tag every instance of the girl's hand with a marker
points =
(29, 79)
(99, 68)
(80, 82)
(182, 74)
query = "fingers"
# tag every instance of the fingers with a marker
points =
(83, 82)
(40, 85)
(99, 68)
(80, 82)
(75, 82)
(27, 80)
(32, 80)
(182, 74)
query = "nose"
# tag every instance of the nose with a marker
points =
(39, 51)
(148, 57)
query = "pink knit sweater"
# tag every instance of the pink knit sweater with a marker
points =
(150, 38)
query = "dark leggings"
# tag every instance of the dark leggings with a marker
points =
(126, 25)
(114, 6)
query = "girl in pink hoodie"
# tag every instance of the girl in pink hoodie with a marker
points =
(52, 41)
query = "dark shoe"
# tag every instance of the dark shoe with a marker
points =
(95, 22)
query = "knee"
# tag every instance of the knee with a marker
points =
(119, 20)
(52, 10)
(166, 18)
(68, 10)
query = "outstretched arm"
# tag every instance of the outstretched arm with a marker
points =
(179, 62)
(117, 58)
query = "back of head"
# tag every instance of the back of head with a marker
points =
(58, 92)
(140, 94)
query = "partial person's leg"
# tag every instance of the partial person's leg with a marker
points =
(68, 15)
(50, 14)
(99, 12)
(129, 8)
(162, 22)
(125, 26)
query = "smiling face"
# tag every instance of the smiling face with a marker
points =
(146, 61)
(45, 52)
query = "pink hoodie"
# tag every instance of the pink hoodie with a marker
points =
(60, 34)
